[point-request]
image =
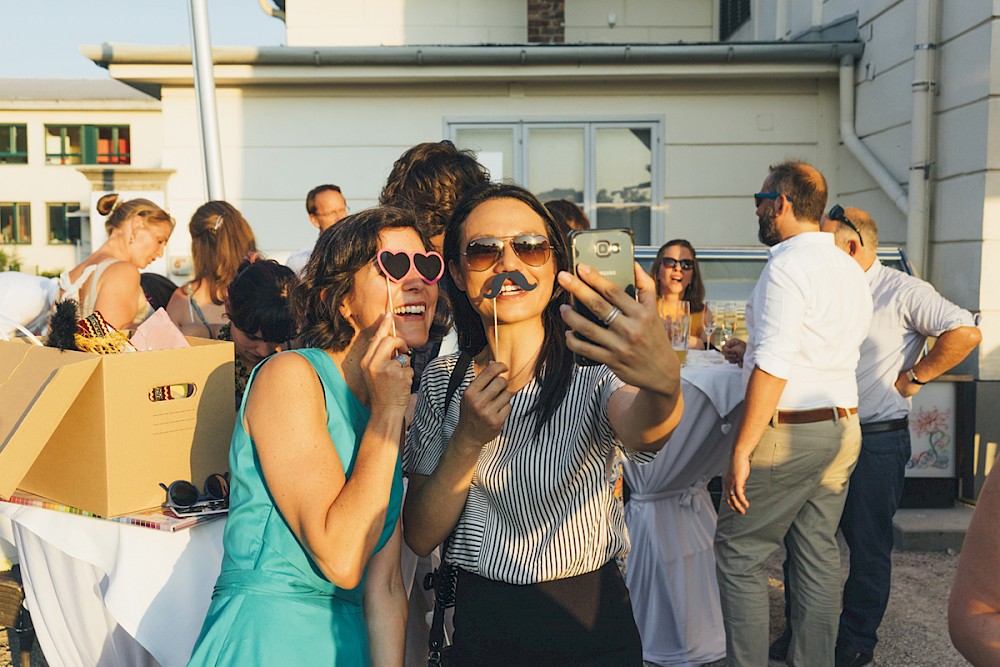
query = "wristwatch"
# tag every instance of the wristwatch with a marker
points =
(912, 377)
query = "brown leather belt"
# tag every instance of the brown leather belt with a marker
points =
(810, 416)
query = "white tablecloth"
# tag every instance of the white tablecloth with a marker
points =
(104, 593)
(671, 520)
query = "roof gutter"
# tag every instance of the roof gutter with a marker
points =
(506, 55)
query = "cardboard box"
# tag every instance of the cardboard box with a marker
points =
(82, 429)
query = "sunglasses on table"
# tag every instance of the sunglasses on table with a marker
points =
(183, 495)
(532, 249)
(760, 197)
(837, 213)
(670, 263)
(398, 264)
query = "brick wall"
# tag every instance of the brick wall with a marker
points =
(546, 21)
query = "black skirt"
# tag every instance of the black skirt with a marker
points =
(583, 620)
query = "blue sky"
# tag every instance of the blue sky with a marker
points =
(42, 38)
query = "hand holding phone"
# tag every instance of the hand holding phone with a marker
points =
(610, 253)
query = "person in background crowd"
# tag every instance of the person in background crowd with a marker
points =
(108, 281)
(799, 437)
(220, 239)
(326, 206)
(678, 278)
(517, 463)
(907, 311)
(311, 565)
(974, 604)
(567, 215)
(259, 314)
(430, 179)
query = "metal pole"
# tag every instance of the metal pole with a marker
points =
(204, 90)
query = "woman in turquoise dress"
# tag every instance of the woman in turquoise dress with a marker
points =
(310, 574)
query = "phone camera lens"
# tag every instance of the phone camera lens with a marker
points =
(603, 249)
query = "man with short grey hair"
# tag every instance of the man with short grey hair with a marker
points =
(891, 370)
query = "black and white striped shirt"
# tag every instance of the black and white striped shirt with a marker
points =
(540, 508)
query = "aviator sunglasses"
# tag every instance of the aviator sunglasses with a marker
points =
(532, 249)
(183, 494)
(837, 213)
(670, 263)
(398, 264)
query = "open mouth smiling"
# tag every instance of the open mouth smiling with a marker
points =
(412, 310)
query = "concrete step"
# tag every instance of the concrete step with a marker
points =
(931, 529)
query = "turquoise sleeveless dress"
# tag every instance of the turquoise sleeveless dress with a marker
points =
(272, 605)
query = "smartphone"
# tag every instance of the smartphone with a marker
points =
(610, 252)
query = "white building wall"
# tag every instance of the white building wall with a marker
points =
(396, 22)
(38, 183)
(719, 138)
(964, 243)
(623, 21)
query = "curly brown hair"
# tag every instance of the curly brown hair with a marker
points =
(328, 277)
(430, 179)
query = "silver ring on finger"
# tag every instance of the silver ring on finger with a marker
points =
(402, 359)
(610, 317)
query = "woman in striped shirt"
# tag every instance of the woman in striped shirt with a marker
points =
(516, 465)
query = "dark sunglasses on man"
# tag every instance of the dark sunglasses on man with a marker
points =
(837, 213)
(760, 197)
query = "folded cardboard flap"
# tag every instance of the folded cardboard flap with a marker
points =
(111, 445)
(37, 387)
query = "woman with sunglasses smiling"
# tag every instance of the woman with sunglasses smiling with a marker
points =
(515, 466)
(678, 278)
(311, 573)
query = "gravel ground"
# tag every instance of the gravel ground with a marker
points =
(914, 632)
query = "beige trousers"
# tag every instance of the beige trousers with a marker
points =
(797, 486)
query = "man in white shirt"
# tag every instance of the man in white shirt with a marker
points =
(799, 437)
(326, 206)
(907, 311)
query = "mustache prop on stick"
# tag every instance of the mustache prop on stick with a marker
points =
(496, 287)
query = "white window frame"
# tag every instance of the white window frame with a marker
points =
(590, 124)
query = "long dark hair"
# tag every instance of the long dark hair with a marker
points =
(340, 252)
(694, 293)
(554, 367)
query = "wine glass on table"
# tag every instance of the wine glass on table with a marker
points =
(710, 321)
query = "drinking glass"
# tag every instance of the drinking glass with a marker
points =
(678, 325)
(728, 322)
(710, 320)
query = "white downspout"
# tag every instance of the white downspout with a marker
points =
(854, 144)
(921, 126)
(817, 13)
(781, 20)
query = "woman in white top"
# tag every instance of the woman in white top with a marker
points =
(517, 463)
(108, 280)
(221, 239)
